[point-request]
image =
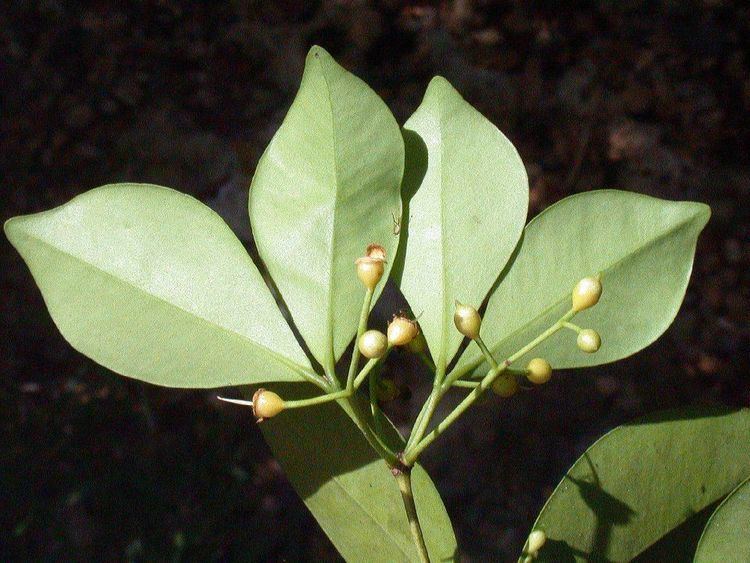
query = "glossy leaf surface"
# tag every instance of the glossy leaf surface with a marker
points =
(326, 187)
(466, 215)
(642, 482)
(726, 535)
(642, 246)
(351, 491)
(152, 284)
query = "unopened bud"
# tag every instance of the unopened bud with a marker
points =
(401, 331)
(589, 340)
(467, 320)
(586, 293)
(536, 541)
(266, 404)
(372, 344)
(505, 386)
(539, 371)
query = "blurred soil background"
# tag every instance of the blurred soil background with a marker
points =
(652, 97)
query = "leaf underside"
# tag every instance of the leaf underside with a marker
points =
(327, 186)
(642, 246)
(152, 284)
(467, 203)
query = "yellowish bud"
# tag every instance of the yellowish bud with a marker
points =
(505, 385)
(536, 541)
(589, 340)
(401, 331)
(369, 271)
(586, 293)
(266, 404)
(467, 320)
(539, 371)
(372, 344)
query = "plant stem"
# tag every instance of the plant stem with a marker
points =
(412, 453)
(299, 403)
(360, 329)
(403, 478)
(571, 326)
(486, 352)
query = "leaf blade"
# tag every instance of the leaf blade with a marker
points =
(129, 284)
(326, 187)
(725, 536)
(641, 481)
(643, 247)
(352, 493)
(465, 217)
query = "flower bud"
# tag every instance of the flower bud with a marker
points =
(505, 385)
(266, 404)
(539, 371)
(372, 344)
(536, 541)
(386, 390)
(589, 340)
(467, 320)
(401, 331)
(369, 271)
(586, 293)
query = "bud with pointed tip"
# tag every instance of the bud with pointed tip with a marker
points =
(266, 404)
(505, 386)
(536, 541)
(586, 293)
(467, 320)
(589, 340)
(372, 344)
(539, 371)
(401, 331)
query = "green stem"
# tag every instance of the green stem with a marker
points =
(403, 478)
(571, 326)
(299, 403)
(360, 329)
(367, 369)
(463, 383)
(412, 453)
(374, 408)
(352, 407)
(486, 352)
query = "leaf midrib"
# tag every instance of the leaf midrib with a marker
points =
(280, 358)
(676, 228)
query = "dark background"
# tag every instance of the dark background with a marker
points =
(645, 96)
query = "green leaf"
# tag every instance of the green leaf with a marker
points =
(152, 284)
(642, 246)
(326, 187)
(725, 537)
(466, 215)
(642, 482)
(350, 490)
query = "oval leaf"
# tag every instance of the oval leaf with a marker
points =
(351, 491)
(152, 284)
(466, 215)
(643, 481)
(326, 187)
(642, 246)
(725, 537)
